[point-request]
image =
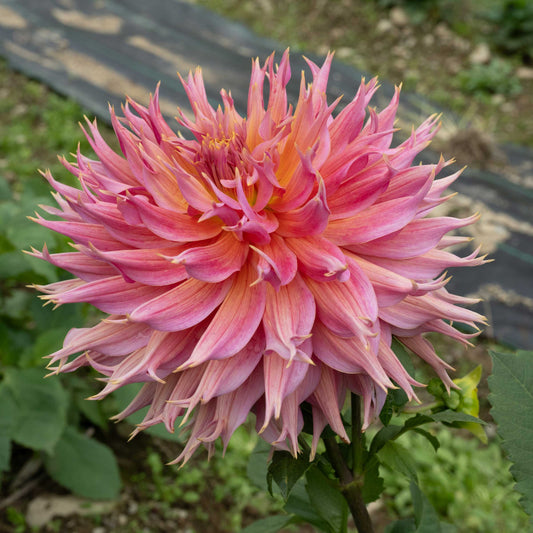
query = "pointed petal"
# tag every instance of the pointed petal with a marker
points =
(281, 380)
(235, 322)
(277, 264)
(288, 319)
(310, 219)
(319, 259)
(183, 306)
(214, 262)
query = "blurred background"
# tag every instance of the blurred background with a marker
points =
(63, 59)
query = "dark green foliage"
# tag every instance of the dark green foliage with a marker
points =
(512, 33)
(511, 385)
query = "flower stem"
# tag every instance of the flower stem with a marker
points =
(351, 482)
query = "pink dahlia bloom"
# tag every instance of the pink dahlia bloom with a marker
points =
(267, 262)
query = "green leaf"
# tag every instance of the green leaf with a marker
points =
(511, 396)
(383, 436)
(46, 343)
(426, 518)
(8, 418)
(397, 457)
(5, 190)
(396, 399)
(373, 486)
(327, 500)
(84, 466)
(42, 408)
(286, 470)
(450, 417)
(431, 438)
(403, 355)
(272, 524)
(299, 505)
(402, 526)
(257, 464)
(91, 409)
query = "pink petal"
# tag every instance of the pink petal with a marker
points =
(281, 379)
(310, 219)
(288, 319)
(214, 262)
(183, 306)
(171, 225)
(111, 295)
(347, 308)
(235, 322)
(319, 259)
(277, 263)
(147, 266)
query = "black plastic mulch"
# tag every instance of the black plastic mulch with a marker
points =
(96, 51)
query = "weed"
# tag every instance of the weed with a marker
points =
(497, 77)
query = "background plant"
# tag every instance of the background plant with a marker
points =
(512, 22)
(48, 417)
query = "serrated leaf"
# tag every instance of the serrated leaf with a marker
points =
(272, 524)
(431, 438)
(383, 436)
(426, 518)
(511, 397)
(396, 398)
(299, 505)
(286, 470)
(450, 417)
(327, 501)
(41, 405)
(373, 486)
(84, 466)
(398, 458)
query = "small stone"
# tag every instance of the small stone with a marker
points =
(443, 33)
(182, 513)
(428, 39)
(480, 55)
(524, 73)
(384, 26)
(44, 508)
(99, 530)
(344, 52)
(122, 519)
(398, 17)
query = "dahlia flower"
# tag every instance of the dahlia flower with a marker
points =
(267, 261)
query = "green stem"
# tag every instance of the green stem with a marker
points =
(414, 409)
(352, 482)
(357, 437)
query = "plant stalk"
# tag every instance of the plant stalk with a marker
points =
(351, 481)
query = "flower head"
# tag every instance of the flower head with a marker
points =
(266, 262)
